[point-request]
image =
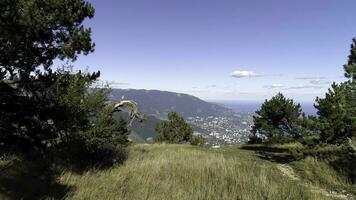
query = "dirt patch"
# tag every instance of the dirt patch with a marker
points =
(332, 194)
(289, 172)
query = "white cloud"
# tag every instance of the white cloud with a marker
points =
(311, 77)
(211, 86)
(319, 82)
(314, 82)
(121, 83)
(275, 85)
(304, 87)
(243, 74)
(116, 84)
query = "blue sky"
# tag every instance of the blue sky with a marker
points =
(222, 49)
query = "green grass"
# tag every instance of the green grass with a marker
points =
(185, 172)
(319, 173)
(162, 171)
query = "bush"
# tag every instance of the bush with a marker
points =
(176, 130)
(254, 139)
(106, 155)
(106, 140)
(341, 157)
(197, 140)
(310, 141)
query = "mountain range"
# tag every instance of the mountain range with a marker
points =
(160, 103)
(156, 105)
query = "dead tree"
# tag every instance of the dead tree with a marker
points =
(130, 107)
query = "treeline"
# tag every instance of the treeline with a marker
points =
(281, 120)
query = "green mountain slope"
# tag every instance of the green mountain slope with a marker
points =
(141, 132)
(146, 129)
(160, 103)
(219, 125)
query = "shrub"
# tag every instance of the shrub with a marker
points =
(176, 130)
(106, 139)
(197, 140)
(254, 139)
(341, 157)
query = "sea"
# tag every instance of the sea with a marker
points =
(253, 106)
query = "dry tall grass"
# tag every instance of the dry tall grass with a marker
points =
(183, 172)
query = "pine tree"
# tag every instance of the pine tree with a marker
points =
(350, 67)
(333, 114)
(43, 109)
(276, 121)
(175, 130)
(337, 111)
(33, 34)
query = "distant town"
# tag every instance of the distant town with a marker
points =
(226, 130)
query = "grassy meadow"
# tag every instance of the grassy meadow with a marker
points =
(162, 171)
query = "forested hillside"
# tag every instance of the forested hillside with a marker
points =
(160, 103)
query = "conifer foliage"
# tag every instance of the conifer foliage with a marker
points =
(350, 67)
(337, 111)
(334, 121)
(276, 121)
(176, 130)
(43, 109)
